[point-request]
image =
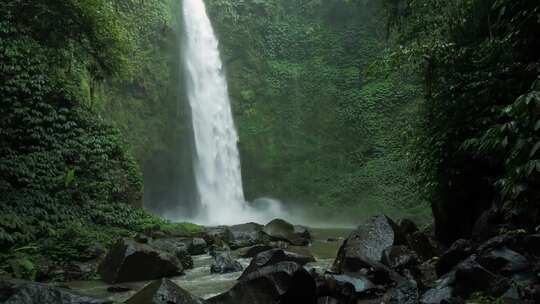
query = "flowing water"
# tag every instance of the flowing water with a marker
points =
(216, 157)
(200, 282)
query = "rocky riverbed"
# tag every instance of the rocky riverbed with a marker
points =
(380, 261)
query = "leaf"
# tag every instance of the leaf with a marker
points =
(69, 178)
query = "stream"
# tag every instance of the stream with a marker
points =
(200, 282)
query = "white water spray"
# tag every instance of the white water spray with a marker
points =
(216, 157)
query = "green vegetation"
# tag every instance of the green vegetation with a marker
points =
(340, 104)
(67, 177)
(321, 121)
(479, 135)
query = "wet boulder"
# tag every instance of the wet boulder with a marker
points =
(371, 238)
(405, 292)
(399, 258)
(280, 230)
(471, 277)
(163, 292)
(177, 247)
(345, 288)
(504, 261)
(217, 235)
(420, 243)
(129, 261)
(407, 226)
(198, 246)
(284, 282)
(18, 292)
(252, 251)
(225, 263)
(443, 292)
(458, 252)
(246, 235)
(275, 256)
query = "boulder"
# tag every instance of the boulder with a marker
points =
(249, 252)
(284, 282)
(428, 274)
(407, 226)
(420, 243)
(129, 261)
(471, 277)
(459, 251)
(531, 244)
(163, 292)
(443, 292)
(371, 238)
(405, 292)
(504, 261)
(197, 246)
(274, 256)
(486, 226)
(280, 230)
(357, 284)
(217, 235)
(399, 258)
(18, 292)
(246, 235)
(178, 247)
(225, 263)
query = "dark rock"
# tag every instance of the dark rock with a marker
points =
(399, 257)
(279, 244)
(421, 244)
(115, 289)
(407, 226)
(531, 244)
(34, 293)
(163, 292)
(225, 263)
(246, 235)
(428, 274)
(219, 234)
(472, 277)
(371, 238)
(355, 262)
(486, 226)
(249, 252)
(511, 241)
(504, 261)
(406, 292)
(177, 247)
(129, 261)
(275, 256)
(443, 292)
(284, 282)
(302, 231)
(357, 283)
(197, 246)
(280, 230)
(459, 251)
(328, 300)
(332, 240)
(511, 296)
(213, 250)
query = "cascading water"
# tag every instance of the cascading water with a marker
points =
(216, 158)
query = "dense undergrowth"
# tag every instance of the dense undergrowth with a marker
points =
(67, 176)
(479, 133)
(321, 121)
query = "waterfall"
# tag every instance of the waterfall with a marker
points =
(216, 158)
